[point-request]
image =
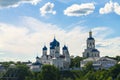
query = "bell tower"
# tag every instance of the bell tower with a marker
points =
(90, 41)
(91, 51)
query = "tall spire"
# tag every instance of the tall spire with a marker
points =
(90, 34)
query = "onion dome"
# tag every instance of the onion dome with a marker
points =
(51, 47)
(37, 57)
(44, 48)
(90, 36)
(54, 43)
(65, 47)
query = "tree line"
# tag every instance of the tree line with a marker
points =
(50, 72)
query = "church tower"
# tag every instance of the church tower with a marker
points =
(37, 59)
(44, 51)
(67, 56)
(65, 51)
(91, 51)
(55, 48)
(90, 41)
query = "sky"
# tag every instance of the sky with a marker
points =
(27, 25)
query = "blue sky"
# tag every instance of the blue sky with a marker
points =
(26, 25)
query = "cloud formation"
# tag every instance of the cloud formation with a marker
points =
(47, 8)
(26, 41)
(110, 7)
(80, 10)
(16, 3)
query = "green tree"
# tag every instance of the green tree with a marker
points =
(115, 70)
(117, 58)
(75, 62)
(89, 67)
(67, 79)
(90, 76)
(110, 78)
(102, 75)
(5, 64)
(19, 72)
(22, 72)
(118, 77)
(50, 72)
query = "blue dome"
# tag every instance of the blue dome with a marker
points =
(90, 38)
(95, 50)
(44, 48)
(51, 47)
(64, 48)
(54, 43)
(37, 57)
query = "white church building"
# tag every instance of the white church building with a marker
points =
(61, 61)
(93, 55)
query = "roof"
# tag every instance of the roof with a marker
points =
(52, 47)
(36, 63)
(106, 59)
(98, 59)
(95, 50)
(54, 43)
(44, 48)
(90, 38)
(37, 57)
(65, 47)
(92, 59)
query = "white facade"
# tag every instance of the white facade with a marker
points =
(61, 61)
(91, 51)
(99, 62)
(36, 67)
(93, 55)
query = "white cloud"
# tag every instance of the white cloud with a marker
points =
(16, 3)
(107, 8)
(80, 10)
(117, 8)
(26, 41)
(47, 8)
(110, 47)
(110, 7)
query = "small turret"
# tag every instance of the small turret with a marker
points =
(65, 47)
(66, 54)
(44, 50)
(37, 59)
(65, 51)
